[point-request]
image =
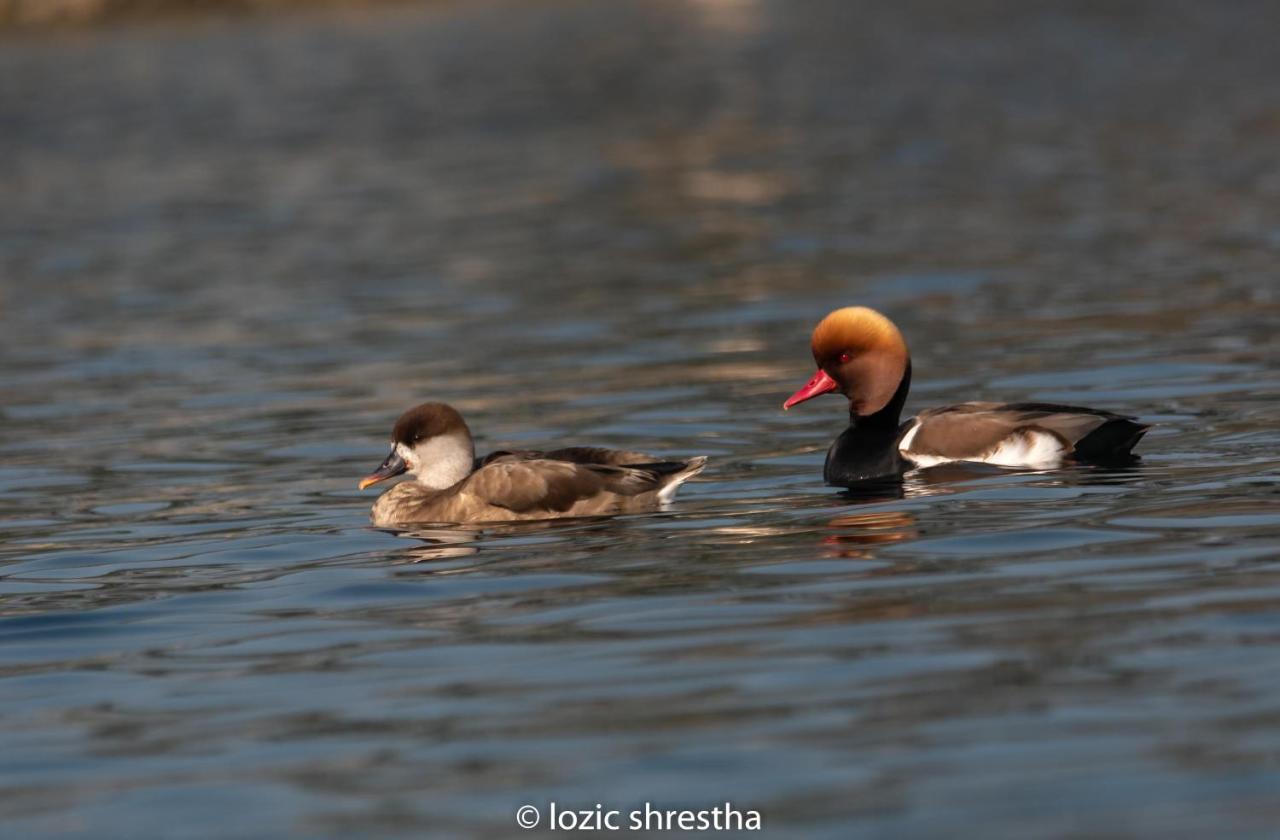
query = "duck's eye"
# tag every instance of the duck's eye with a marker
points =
(845, 357)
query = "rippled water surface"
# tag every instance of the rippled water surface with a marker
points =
(232, 251)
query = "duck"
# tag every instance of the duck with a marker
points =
(862, 355)
(432, 443)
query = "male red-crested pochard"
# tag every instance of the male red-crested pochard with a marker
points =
(433, 444)
(861, 354)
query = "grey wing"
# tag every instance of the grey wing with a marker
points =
(971, 430)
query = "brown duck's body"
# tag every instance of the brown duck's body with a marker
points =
(516, 485)
(861, 354)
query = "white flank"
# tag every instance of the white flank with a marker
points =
(1038, 450)
(904, 445)
(1028, 448)
(919, 459)
(923, 461)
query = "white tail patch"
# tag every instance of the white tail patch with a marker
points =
(668, 492)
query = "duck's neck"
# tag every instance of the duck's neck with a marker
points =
(889, 416)
(442, 461)
(868, 449)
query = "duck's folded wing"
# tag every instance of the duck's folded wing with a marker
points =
(599, 455)
(505, 455)
(525, 486)
(971, 430)
(572, 454)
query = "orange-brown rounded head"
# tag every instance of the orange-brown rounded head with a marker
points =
(859, 353)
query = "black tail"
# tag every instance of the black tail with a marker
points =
(1112, 441)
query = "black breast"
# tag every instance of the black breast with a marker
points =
(863, 453)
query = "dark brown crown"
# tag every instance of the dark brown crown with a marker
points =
(427, 421)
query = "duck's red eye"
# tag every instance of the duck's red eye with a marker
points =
(845, 357)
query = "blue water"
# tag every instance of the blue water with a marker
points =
(232, 251)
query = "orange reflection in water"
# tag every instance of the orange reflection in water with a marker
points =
(856, 532)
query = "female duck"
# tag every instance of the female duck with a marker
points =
(433, 444)
(861, 354)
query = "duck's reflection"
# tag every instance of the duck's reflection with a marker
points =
(854, 534)
(451, 541)
(932, 481)
(438, 543)
(945, 479)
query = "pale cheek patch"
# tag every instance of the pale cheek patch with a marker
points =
(410, 457)
(441, 461)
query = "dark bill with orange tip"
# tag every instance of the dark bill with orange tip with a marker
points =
(818, 385)
(390, 468)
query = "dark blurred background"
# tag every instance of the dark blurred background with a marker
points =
(58, 13)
